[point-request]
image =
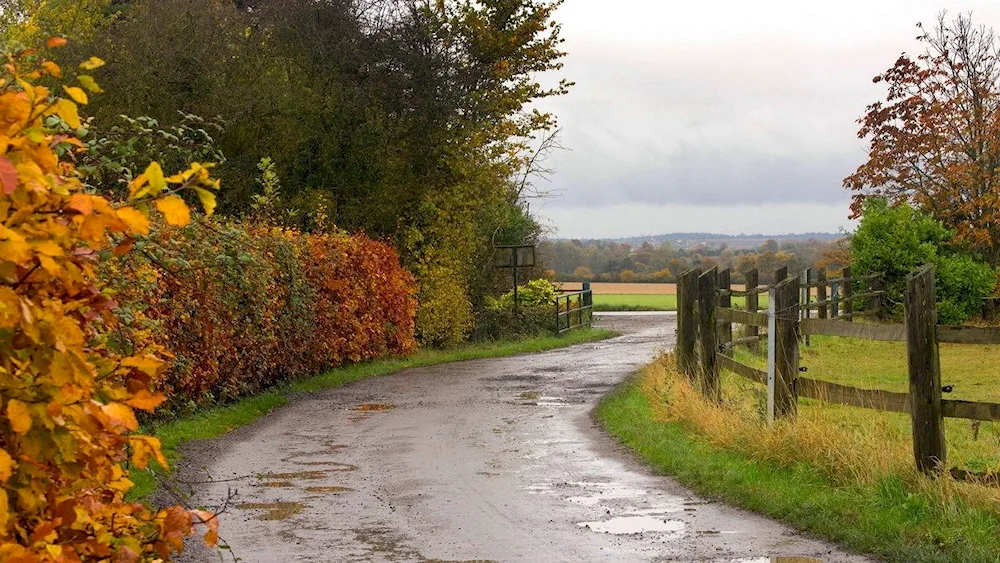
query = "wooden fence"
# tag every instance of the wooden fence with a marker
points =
(574, 309)
(813, 304)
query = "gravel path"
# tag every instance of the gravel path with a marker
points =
(486, 460)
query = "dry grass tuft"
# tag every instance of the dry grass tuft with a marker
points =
(850, 446)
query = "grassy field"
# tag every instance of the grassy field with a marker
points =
(882, 365)
(216, 421)
(650, 302)
(635, 302)
(841, 473)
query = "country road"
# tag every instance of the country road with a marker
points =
(485, 460)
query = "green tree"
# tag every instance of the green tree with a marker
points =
(894, 241)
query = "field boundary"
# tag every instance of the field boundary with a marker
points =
(705, 337)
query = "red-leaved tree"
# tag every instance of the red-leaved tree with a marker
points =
(934, 142)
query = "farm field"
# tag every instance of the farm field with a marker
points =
(642, 296)
(651, 302)
(882, 365)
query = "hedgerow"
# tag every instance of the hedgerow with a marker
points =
(245, 307)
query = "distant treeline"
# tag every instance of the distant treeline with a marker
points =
(608, 261)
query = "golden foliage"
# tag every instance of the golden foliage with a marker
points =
(69, 399)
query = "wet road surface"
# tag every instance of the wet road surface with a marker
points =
(486, 460)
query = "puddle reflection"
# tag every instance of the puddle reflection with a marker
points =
(634, 525)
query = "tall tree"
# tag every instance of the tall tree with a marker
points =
(934, 141)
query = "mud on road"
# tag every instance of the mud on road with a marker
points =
(485, 460)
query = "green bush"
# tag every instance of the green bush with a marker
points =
(534, 315)
(534, 293)
(896, 240)
(962, 283)
(506, 324)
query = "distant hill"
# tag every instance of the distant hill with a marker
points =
(741, 241)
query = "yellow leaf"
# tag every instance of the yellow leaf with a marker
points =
(174, 210)
(81, 203)
(154, 174)
(137, 222)
(77, 94)
(4, 509)
(207, 200)
(146, 364)
(19, 416)
(138, 187)
(145, 448)
(121, 415)
(48, 248)
(67, 110)
(144, 400)
(212, 522)
(52, 68)
(89, 84)
(91, 63)
(6, 466)
(49, 265)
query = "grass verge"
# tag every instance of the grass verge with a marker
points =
(216, 421)
(798, 473)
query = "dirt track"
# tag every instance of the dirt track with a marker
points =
(481, 460)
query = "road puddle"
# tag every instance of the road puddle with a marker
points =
(329, 490)
(777, 559)
(374, 407)
(274, 510)
(545, 401)
(309, 475)
(277, 484)
(624, 525)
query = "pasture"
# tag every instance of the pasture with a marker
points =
(642, 296)
(974, 446)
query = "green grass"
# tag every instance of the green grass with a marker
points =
(883, 518)
(635, 302)
(216, 421)
(666, 302)
(883, 365)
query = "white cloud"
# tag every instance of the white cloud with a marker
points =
(684, 108)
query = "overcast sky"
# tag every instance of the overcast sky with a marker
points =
(725, 116)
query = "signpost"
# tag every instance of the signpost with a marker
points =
(515, 257)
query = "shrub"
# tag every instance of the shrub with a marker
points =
(961, 284)
(445, 314)
(506, 324)
(534, 293)
(243, 308)
(534, 316)
(897, 240)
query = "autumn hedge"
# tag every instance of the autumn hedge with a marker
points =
(244, 307)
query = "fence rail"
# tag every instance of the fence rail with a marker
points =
(574, 309)
(796, 312)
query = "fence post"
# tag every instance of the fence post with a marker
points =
(725, 300)
(806, 294)
(780, 275)
(558, 322)
(772, 332)
(877, 302)
(708, 284)
(786, 353)
(821, 295)
(848, 286)
(687, 323)
(925, 371)
(753, 305)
